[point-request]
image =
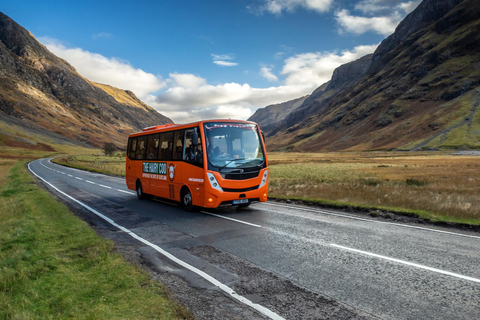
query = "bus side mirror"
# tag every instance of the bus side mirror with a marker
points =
(195, 138)
(263, 135)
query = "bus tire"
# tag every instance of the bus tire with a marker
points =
(140, 194)
(187, 201)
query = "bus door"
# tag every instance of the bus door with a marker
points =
(193, 173)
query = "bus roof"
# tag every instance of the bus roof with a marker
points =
(173, 126)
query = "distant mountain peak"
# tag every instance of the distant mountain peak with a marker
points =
(42, 92)
(420, 91)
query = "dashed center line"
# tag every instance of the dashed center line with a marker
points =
(416, 265)
(88, 181)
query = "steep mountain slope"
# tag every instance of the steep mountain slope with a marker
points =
(45, 96)
(272, 116)
(421, 90)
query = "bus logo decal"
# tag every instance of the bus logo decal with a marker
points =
(155, 168)
(171, 171)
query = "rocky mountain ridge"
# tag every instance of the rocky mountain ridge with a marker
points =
(42, 93)
(421, 90)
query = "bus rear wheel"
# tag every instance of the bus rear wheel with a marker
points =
(140, 194)
(187, 202)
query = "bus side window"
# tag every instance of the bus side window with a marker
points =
(166, 146)
(152, 150)
(192, 153)
(178, 145)
(132, 148)
(141, 148)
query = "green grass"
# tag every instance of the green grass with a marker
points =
(53, 265)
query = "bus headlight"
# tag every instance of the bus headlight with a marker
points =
(264, 179)
(213, 182)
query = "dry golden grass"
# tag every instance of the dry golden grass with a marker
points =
(97, 162)
(444, 185)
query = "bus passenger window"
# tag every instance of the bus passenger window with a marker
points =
(141, 148)
(166, 146)
(152, 147)
(132, 148)
(178, 146)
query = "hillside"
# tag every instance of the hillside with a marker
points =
(43, 98)
(272, 116)
(420, 90)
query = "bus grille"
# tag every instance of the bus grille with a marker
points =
(241, 176)
(240, 190)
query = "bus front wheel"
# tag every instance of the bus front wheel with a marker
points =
(187, 202)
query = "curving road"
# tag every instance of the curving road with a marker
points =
(279, 261)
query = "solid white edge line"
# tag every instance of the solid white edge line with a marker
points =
(448, 273)
(215, 282)
(239, 221)
(374, 221)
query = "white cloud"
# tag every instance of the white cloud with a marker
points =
(112, 71)
(225, 63)
(382, 16)
(318, 67)
(188, 97)
(303, 73)
(358, 25)
(187, 80)
(102, 35)
(224, 60)
(373, 6)
(267, 74)
(278, 6)
(409, 6)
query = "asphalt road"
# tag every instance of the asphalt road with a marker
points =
(293, 261)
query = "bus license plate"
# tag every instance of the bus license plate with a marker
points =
(241, 201)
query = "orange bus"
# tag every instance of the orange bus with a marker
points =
(202, 164)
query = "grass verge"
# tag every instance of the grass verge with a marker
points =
(431, 186)
(53, 265)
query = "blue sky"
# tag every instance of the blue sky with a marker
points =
(199, 59)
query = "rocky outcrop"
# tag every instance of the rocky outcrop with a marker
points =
(350, 72)
(272, 116)
(427, 12)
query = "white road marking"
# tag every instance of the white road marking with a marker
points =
(448, 273)
(215, 282)
(239, 221)
(373, 221)
(88, 181)
(127, 192)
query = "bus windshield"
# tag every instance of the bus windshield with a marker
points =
(233, 145)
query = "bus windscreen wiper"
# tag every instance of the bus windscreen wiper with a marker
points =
(231, 162)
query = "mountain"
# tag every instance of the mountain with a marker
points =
(44, 98)
(419, 90)
(272, 116)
